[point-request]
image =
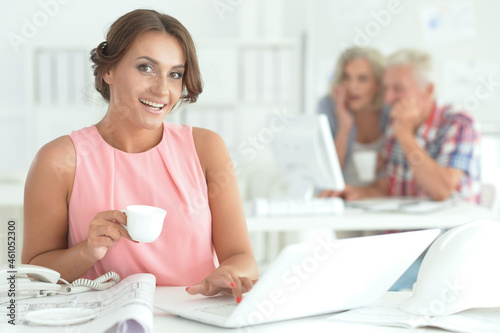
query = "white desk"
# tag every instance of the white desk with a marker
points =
(11, 196)
(358, 219)
(165, 322)
(268, 247)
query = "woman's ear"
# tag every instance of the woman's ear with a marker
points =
(107, 77)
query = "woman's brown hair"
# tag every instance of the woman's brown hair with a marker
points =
(122, 34)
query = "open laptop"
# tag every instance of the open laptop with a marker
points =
(319, 277)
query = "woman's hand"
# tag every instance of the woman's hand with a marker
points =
(348, 193)
(222, 280)
(104, 231)
(344, 116)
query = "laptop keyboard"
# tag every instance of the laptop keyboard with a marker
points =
(224, 310)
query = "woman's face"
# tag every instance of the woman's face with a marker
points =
(147, 82)
(360, 83)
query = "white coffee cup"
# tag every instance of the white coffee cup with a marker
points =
(144, 223)
(365, 163)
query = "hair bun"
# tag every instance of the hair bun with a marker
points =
(98, 58)
(102, 48)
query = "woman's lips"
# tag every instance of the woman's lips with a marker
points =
(152, 107)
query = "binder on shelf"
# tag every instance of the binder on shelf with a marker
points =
(249, 75)
(278, 69)
(43, 83)
(62, 74)
(229, 128)
(288, 75)
(71, 77)
(268, 75)
(80, 76)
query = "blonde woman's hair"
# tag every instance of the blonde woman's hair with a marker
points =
(419, 60)
(377, 63)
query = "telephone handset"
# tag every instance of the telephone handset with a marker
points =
(37, 281)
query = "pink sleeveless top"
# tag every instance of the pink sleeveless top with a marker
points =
(168, 176)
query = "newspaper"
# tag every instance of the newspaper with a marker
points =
(387, 313)
(125, 307)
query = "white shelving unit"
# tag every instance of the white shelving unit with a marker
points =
(245, 82)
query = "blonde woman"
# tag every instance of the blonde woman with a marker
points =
(354, 107)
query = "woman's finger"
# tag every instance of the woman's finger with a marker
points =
(246, 283)
(124, 232)
(236, 287)
(203, 287)
(113, 215)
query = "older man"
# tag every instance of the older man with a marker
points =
(430, 150)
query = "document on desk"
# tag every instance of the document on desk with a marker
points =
(125, 307)
(401, 205)
(387, 313)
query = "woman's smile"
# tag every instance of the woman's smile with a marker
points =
(153, 107)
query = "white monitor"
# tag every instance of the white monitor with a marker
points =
(305, 152)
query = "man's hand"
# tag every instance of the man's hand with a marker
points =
(406, 117)
(348, 193)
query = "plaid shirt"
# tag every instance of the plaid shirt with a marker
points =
(451, 138)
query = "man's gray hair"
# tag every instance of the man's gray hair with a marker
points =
(419, 60)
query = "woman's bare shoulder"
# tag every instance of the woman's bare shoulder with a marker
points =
(57, 149)
(210, 147)
(56, 157)
(205, 136)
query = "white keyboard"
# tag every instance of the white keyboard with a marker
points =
(224, 310)
(315, 206)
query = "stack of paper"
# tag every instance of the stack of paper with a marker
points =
(401, 205)
(387, 313)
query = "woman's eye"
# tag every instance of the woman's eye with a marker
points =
(145, 68)
(175, 75)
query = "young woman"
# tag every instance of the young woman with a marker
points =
(354, 109)
(78, 184)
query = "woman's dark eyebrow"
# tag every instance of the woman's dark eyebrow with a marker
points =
(149, 59)
(156, 62)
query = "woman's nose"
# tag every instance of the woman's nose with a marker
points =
(352, 85)
(160, 86)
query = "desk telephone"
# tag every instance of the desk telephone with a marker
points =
(26, 281)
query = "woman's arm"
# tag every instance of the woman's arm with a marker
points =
(46, 200)
(238, 269)
(340, 119)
